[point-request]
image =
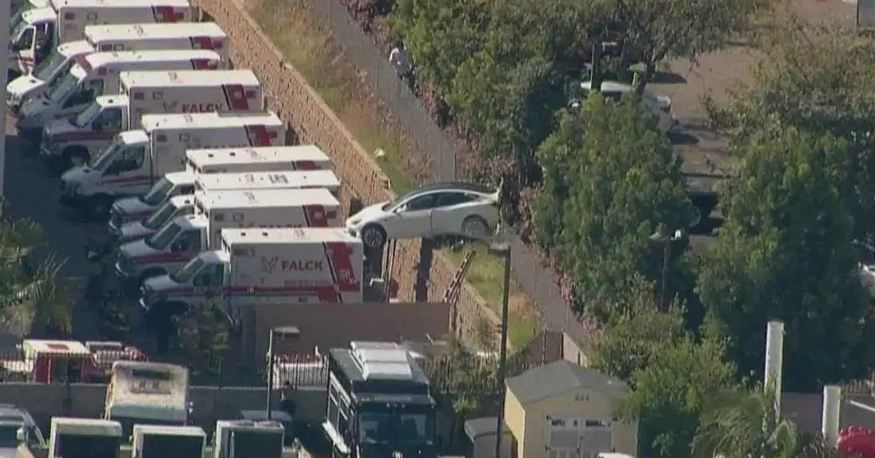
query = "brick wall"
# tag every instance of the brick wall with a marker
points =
(289, 95)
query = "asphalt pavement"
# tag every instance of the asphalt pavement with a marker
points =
(32, 190)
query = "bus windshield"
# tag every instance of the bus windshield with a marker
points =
(401, 428)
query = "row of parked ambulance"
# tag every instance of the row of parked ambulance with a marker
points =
(139, 106)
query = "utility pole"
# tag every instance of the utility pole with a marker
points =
(502, 250)
(5, 13)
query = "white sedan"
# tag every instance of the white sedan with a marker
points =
(442, 209)
(659, 104)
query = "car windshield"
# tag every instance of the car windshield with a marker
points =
(161, 216)
(62, 86)
(9, 436)
(45, 69)
(393, 428)
(88, 115)
(163, 237)
(102, 161)
(185, 274)
(158, 193)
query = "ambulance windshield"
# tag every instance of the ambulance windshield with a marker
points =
(106, 156)
(185, 274)
(164, 214)
(162, 238)
(88, 115)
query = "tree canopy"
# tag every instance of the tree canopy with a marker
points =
(610, 181)
(786, 252)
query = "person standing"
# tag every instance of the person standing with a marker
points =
(401, 61)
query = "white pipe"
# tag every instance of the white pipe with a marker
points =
(774, 360)
(832, 406)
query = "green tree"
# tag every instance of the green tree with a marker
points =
(819, 79)
(670, 393)
(785, 252)
(202, 336)
(638, 334)
(610, 181)
(32, 296)
(657, 29)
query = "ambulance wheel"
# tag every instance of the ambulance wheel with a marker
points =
(100, 206)
(374, 236)
(75, 156)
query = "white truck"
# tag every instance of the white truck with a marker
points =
(183, 204)
(186, 236)
(37, 31)
(115, 37)
(142, 392)
(138, 158)
(73, 141)
(98, 74)
(218, 160)
(260, 267)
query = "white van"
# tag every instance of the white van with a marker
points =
(37, 31)
(74, 141)
(98, 74)
(116, 37)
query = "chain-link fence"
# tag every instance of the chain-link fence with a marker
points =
(300, 370)
(433, 146)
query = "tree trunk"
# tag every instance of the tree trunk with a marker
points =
(649, 70)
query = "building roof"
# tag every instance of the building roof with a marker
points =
(560, 377)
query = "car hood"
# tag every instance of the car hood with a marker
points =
(136, 249)
(132, 206)
(35, 107)
(134, 231)
(368, 213)
(160, 283)
(24, 85)
(60, 127)
(76, 174)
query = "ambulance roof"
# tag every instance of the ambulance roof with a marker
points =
(180, 177)
(33, 346)
(115, 100)
(209, 120)
(86, 427)
(57, 4)
(75, 48)
(112, 58)
(260, 153)
(284, 235)
(134, 136)
(38, 15)
(182, 200)
(155, 30)
(142, 389)
(260, 180)
(259, 198)
(162, 79)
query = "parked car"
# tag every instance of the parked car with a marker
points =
(441, 209)
(17, 426)
(659, 104)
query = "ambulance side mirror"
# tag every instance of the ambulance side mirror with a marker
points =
(20, 436)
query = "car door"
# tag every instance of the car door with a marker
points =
(449, 211)
(412, 218)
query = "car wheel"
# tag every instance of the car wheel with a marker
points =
(474, 227)
(100, 207)
(75, 156)
(374, 236)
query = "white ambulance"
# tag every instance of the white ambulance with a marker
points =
(116, 37)
(139, 158)
(182, 205)
(218, 160)
(98, 74)
(37, 31)
(74, 141)
(262, 267)
(183, 238)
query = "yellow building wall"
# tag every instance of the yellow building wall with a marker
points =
(580, 403)
(515, 419)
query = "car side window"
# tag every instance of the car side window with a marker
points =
(110, 119)
(420, 203)
(189, 241)
(447, 199)
(132, 159)
(211, 276)
(26, 40)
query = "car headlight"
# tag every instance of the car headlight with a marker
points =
(354, 222)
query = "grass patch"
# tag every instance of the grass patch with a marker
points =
(521, 330)
(486, 273)
(311, 49)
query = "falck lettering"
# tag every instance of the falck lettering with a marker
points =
(291, 265)
(202, 107)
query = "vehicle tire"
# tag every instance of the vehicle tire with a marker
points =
(100, 206)
(74, 156)
(373, 236)
(475, 227)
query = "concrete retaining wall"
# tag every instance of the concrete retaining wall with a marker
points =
(420, 275)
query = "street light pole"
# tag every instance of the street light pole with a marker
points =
(502, 250)
(270, 360)
(5, 13)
